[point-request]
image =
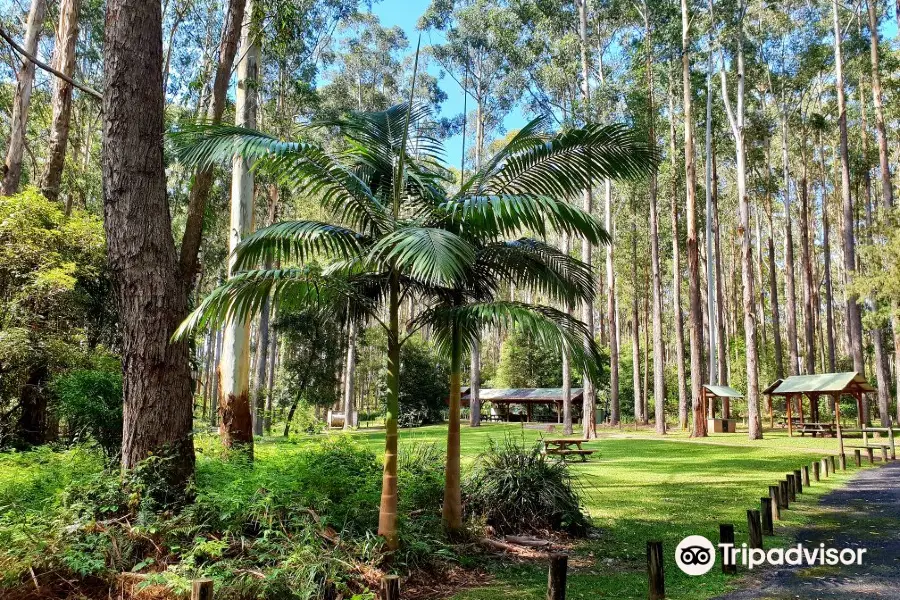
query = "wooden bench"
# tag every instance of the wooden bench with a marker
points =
(817, 428)
(564, 447)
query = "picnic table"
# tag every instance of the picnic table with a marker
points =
(817, 428)
(566, 447)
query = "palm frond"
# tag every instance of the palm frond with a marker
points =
(241, 297)
(503, 215)
(571, 162)
(434, 256)
(303, 167)
(534, 265)
(548, 325)
(297, 241)
(534, 133)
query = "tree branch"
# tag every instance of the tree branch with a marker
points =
(90, 91)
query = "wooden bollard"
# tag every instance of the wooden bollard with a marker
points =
(831, 460)
(556, 577)
(857, 455)
(390, 587)
(798, 483)
(657, 579)
(884, 454)
(825, 467)
(775, 501)
(843, 458)
(791, 488)
(766, 510)
(726, 536)
(871, 453)
(816, 467)
(754, 526)
(805, 471)
(783, 494)
(202, 589)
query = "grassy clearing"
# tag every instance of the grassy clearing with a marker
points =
(644, 488)
(637, 488)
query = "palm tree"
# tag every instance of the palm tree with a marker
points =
(395, 231)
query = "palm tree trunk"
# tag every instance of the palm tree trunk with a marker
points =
(63, 61)
(854, 319)
(387, 514)
(451, 514)
(22, 100)
(236, 426)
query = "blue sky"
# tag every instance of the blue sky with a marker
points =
(406, 13)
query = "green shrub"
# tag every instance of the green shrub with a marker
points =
(90, 401)
(516, 488)
(424, 385)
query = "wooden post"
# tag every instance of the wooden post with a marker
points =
(857, 455)
(837, 423)
(754, 526)
(798, 481)
(871, 452)
(390, 587)
(783, 494)
(726, 536)
(775, 501)
(788, 401)
(831, 460)
(891, 441)
(771, 413)
(843, 458)
(825, 467)
(556, 577)
(791, 488)
(202, 589)
(816, 466)
(884, 454)
(767, 508)
(657, 584)
(805, 471)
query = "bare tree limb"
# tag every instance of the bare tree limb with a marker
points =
(90, 91)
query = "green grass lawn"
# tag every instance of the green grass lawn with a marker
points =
(639, 487)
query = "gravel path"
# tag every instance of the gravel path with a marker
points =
(863, 514)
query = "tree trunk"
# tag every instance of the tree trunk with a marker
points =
(854, 319)
(236, 426)
(63, 61)
(773, 276)
(350, 375)
(611, 311)
(451, 514)
(566, 363)
(883, 158)
(260, 389)
(589, 405)
(826, 264)
(203, 179)
(736, 120)
(475, 386)
(659, 375)
(693, 250)
(33, 418)
(270, 395)
(639, 416)
(676, 270)
(711, 308)
(140, 248)
(789, 285)
(809, 326)
(720, 288)
(22, 100)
